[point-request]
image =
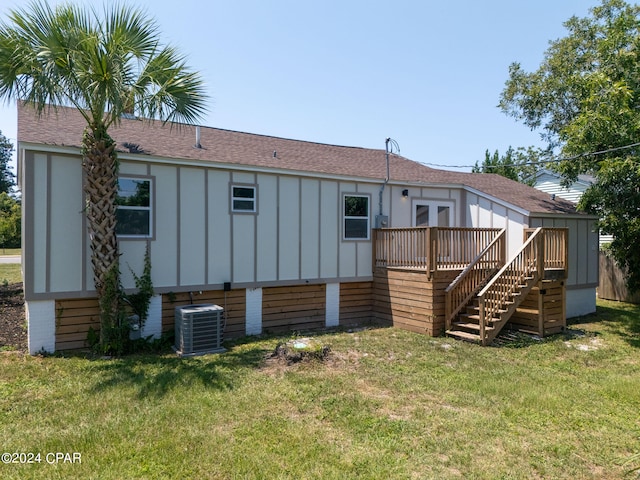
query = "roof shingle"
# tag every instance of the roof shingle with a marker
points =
(64, 127)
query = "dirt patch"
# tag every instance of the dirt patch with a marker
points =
(587, 344)
(299, 350)
(13, 331)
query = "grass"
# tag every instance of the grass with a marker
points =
(10, 251)
(386, 404)
(10, 273)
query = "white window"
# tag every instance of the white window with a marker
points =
(133, 207)
(243, 198)
(356, 217)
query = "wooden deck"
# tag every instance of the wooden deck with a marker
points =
(458, 281)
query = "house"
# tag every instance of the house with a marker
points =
(550, 182)
(612, 279)
(279, 232)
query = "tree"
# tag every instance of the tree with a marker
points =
(9, 221)
(585, 100)
(104, 64)
(7, 178)
(519, 165)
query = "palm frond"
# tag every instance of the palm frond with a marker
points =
(168, 90)
(100, 62)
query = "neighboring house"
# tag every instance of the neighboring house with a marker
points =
(612, 281)
(550, 182)
(279, 232)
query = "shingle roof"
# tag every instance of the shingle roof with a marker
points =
(172, 141)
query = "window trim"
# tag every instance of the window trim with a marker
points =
(150, 208)
(251, 186)
(345, 217)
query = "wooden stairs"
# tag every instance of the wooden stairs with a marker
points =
(468, 327)
(485, 306)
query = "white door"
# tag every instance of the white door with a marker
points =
(432, 213)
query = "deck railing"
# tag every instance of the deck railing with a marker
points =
(555, 247)
(474, 276)
(430, 248)
(401, 247)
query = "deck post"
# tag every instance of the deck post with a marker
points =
(447, 310)
(540, 309)
(374, 250)
(428, 249)
(565, 246)
(540, 254)
(433, 244)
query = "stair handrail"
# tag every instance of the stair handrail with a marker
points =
(529, 255)
(474, 286)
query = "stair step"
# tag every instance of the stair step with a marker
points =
(509, 285)
(472, 326)
(472, 337)
(476, 318)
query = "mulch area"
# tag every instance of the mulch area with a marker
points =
(13, 330)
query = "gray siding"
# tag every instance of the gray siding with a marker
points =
(197, 242)
(583, 248)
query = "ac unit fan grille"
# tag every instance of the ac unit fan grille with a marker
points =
(199, 329)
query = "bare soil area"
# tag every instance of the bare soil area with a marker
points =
(13, 330)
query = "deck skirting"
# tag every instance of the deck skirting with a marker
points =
(281, 309)
(411, 299)
(543, 310)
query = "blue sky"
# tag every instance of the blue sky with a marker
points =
(353, 72)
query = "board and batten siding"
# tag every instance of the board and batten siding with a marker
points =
(294, 237)
(582, 274)
(197, 242)
(53, 225)
(582, 245)
(483, 212)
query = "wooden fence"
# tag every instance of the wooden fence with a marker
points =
(612, 284)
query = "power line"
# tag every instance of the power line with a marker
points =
(541, 162)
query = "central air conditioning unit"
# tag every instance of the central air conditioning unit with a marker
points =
(199, 329)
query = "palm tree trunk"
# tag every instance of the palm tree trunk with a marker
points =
(100, 166)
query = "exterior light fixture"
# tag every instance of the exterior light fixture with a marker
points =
(405, 192)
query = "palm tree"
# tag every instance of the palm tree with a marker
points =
(104, 64)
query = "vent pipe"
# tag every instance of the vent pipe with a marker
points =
(198, 144)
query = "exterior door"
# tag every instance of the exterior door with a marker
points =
(432, 213)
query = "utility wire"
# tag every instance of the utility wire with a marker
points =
(541, 162)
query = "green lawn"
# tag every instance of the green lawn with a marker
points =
(387, 404)
(10, 273)
(10, 251)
